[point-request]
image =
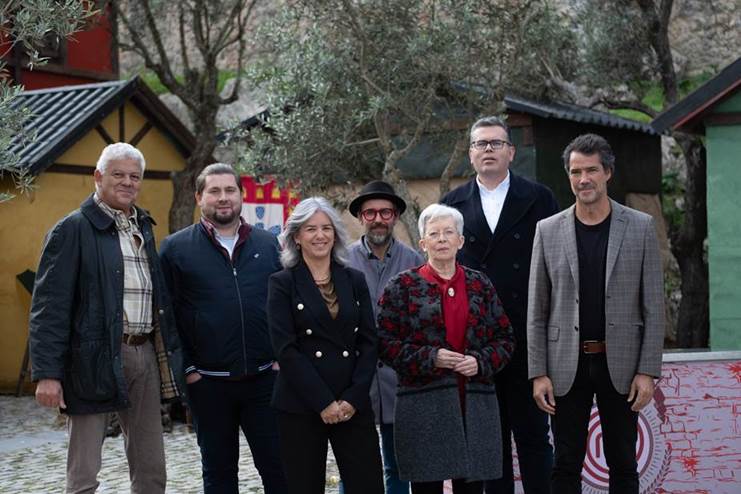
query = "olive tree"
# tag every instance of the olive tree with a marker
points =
(205, 32)
(355, 85)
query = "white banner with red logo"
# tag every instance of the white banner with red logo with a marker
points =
(266, 205)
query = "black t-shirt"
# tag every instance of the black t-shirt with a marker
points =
(591, 241)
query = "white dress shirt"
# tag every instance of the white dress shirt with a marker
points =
(492, 201)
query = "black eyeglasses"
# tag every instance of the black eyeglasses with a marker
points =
(495, 144)
(385, 213)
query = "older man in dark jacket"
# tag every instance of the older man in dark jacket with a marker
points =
(102, 332)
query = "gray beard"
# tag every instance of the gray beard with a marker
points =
(378, 240)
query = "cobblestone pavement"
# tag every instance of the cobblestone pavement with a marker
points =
(33, 452)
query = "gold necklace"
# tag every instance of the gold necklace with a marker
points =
(321, 281)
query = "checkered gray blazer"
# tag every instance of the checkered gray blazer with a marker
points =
(634, 300)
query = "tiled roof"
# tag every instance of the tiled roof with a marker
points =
(63, 115)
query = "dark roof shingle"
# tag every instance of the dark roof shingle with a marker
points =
(575, 113)
(61, 116)
(701, 99)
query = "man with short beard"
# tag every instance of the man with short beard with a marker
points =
(380, 257)
(217, 271)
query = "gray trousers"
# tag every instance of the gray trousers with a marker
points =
(141, 425)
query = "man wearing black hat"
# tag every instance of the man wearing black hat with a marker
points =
(500, 211)
(380, 257)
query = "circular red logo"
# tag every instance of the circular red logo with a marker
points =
(651, 454)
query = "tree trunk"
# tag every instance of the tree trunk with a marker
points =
(183, 200)
(461, 144)
(409, 218)
(688, 248)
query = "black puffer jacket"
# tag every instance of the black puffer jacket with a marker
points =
(76, 313)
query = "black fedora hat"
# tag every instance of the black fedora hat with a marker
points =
(377, 189)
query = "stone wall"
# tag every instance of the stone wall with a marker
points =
(705, 34)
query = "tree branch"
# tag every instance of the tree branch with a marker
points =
(461, 144)
(181, 29)
(164, 62)
(240, 36)
(162, 67)
(657, 24)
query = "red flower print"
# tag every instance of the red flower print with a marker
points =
(406, 281)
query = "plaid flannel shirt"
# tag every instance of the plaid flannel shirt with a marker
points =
(137, 294)
(137, 297)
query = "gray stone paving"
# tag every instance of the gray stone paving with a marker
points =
(33, 452)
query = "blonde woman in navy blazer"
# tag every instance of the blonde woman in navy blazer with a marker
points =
(321, 324)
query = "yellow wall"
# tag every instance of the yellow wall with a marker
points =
(25, 220)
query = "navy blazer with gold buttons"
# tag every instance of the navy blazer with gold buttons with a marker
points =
(321, 359)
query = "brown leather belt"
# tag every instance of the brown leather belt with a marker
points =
(136, 339)
(592, 346)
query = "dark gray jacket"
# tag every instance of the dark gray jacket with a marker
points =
(401, 258)
(76, 321)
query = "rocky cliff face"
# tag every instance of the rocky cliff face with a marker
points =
(705, 34)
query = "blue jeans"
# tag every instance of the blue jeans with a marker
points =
(220, 408)
(390, 470)
(521, 416)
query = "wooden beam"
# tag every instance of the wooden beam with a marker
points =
(70, 169)
(142, 132)
(732, 118)
(121, 124)
(105, 135)
(68, 71)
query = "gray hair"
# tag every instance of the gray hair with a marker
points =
(290, 253)
(216, 169)
(119, 151)
(491, 122)
(436, 211)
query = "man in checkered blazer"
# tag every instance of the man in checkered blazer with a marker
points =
(595, 319)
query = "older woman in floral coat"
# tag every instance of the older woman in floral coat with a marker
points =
(443, 330)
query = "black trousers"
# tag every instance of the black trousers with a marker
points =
(619, 429)
(519, 415)
(460, 486)
(304, 438)
(220, 408)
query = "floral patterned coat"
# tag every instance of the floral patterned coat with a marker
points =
(435, 438)
(411, 328)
